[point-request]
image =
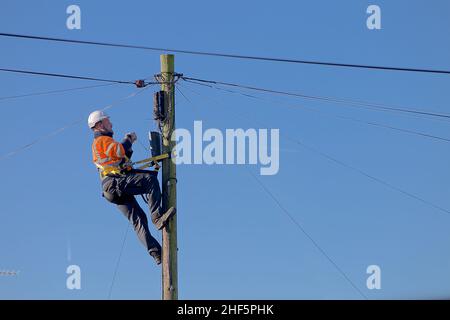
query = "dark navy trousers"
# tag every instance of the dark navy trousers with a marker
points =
(121, 190)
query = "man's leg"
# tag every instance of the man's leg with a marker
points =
(147, 183)
(134, 213)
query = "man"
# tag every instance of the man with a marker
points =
(120, 183)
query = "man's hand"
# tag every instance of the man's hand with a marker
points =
(131, 136)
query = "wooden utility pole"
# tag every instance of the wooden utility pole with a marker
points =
(169, 182)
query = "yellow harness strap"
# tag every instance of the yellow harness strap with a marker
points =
(152, 161)
(127, 166)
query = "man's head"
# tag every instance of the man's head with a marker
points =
(99, 121)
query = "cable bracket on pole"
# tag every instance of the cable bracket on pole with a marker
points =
(161, 79)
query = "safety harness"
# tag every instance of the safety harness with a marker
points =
(127, 166)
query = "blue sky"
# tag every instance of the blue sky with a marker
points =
(234, 241)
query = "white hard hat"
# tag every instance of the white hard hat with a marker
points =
(95, 117)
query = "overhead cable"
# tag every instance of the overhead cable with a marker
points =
(228, 55)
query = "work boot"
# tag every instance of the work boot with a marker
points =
(160, 221)
(157, 256)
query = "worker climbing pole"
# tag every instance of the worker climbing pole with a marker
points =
(122, 179)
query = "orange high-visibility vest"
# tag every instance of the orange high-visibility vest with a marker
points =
(107, 152)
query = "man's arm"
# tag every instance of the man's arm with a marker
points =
(127, 145)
